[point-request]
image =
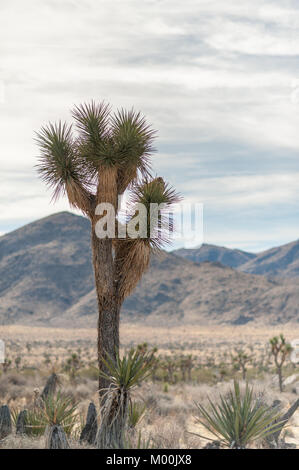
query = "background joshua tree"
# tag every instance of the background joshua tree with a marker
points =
(280, 350)
(240, 360)
(105, 156)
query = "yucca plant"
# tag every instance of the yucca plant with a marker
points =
(54, 410)
(35, 424)
(14, 413)
(59, 410)
(94, 163)
(124, 375)
(239, 418)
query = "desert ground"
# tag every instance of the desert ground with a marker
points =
(168, 397)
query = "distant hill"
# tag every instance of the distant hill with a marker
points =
(46, 278)
(213, 253)
(45, 268)
(281, 261)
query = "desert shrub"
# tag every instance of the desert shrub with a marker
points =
(29, 371)
(91, 372)
(206, 375)
(137, 442)
(167, 433)
(16, 379)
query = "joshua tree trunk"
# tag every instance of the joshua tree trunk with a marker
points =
(108, 303)
(244, 372)
(279, 371)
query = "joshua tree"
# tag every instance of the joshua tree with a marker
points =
(280, 350)
(18, 361)
(105, 156)
(170, 365)
(73, 364)
(6, 364)
(240, 360)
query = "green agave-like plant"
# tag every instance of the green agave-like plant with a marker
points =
(35, 424)
(61, 411)
(14, 413)
(55, 410)
(239, 418)
(124, 375)
(127, 372)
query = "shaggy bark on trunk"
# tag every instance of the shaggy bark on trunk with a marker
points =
(56, 438)
(50, 386)
(113, 421)
(5, 422)
(108, 304)
(21, 422)
(89, 432)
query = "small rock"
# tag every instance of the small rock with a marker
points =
(291, 379)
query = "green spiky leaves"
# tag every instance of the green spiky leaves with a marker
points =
(59, 164)
(123, 141)
(158, 198)
(154, 191)
(127, 372)
(133, 143)
(94, 142)
(239, 418)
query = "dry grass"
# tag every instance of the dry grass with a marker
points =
(170, 410)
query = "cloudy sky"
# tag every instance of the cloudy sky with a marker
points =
(219, 80)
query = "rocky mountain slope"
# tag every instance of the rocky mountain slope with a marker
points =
(46, 278)
(213, 253)
(281, 261)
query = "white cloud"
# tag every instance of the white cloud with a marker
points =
(202, 72)
(249, 191)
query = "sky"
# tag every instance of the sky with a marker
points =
(218, 80)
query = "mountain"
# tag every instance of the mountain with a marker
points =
(281, 261)
(45, 268)
(213, 253)
(177, 290)
(46, 279)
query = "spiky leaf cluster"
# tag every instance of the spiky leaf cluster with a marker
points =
(239, 419)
